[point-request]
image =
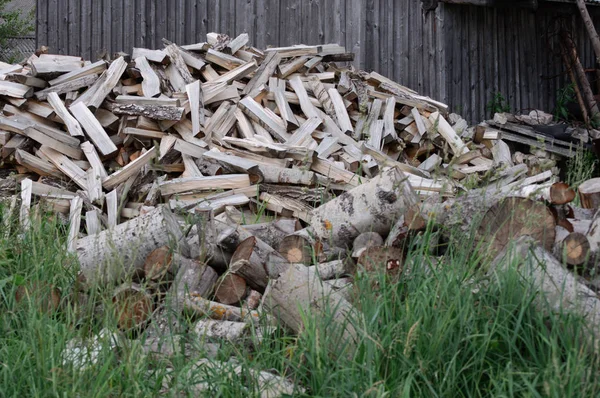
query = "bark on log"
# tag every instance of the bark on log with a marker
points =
(593, 233)
(298, 292)
(589, 194)
(235, 332)
(230, 289)
(274, 232)
(561, 289)
(156, 112)
(333, 269)
(122, 250)
(374, 206)
(205, 308)
(132, 306)
(193, 278)
(256, 262)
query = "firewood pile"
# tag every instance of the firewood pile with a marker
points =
(237, 183)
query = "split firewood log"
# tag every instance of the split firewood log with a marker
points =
(561, 289)
(121, 251)
(213, 330)
(299, 291)
(230, 289)
(373, 206)
(132, 306)
(589, 194)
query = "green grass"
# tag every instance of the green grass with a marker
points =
(451, 332)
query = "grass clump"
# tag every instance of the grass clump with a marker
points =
(442, 330)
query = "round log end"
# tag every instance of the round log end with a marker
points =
(379, 258)
(561, 193)
(231, 289)
(576, 247)
(39, 294)
(158, 263)
(133, 307)
(589, 193)
(512, 218)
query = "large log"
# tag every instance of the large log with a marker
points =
(299, 292)
(193, 279)
(374, 206)
(561, 289)
(256, 261)
(122, 250)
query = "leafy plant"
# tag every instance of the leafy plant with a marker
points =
(13, 23)
(564, 96)
(498, 104)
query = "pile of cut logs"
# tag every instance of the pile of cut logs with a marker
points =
(237, 181)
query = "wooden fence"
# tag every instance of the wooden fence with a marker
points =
(461, 55)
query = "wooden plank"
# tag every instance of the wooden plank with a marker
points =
(67, 87)
(15, 90)
(343, 120)
(24, 216)
(37, 165)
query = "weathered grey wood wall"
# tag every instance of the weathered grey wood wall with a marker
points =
(461, 55)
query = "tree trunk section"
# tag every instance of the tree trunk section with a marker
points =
(255, 261)
(298, 292)
(374, 206)
(231, 289)
(561, 289)
(121, 251)
(589, 193)
(574, 249)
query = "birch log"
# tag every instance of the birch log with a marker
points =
(561, 289)
(374, 206)
(122, 250)
(299, 292)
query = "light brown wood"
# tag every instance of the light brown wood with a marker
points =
(230, 289)
(93, 128)
(589, 194)
(132, 305)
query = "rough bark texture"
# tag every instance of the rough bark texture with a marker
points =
(156, 112)
(256, 261)
(374, 206)
(299, 291)
(561, 289)
(193, 278)
(120, 251)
